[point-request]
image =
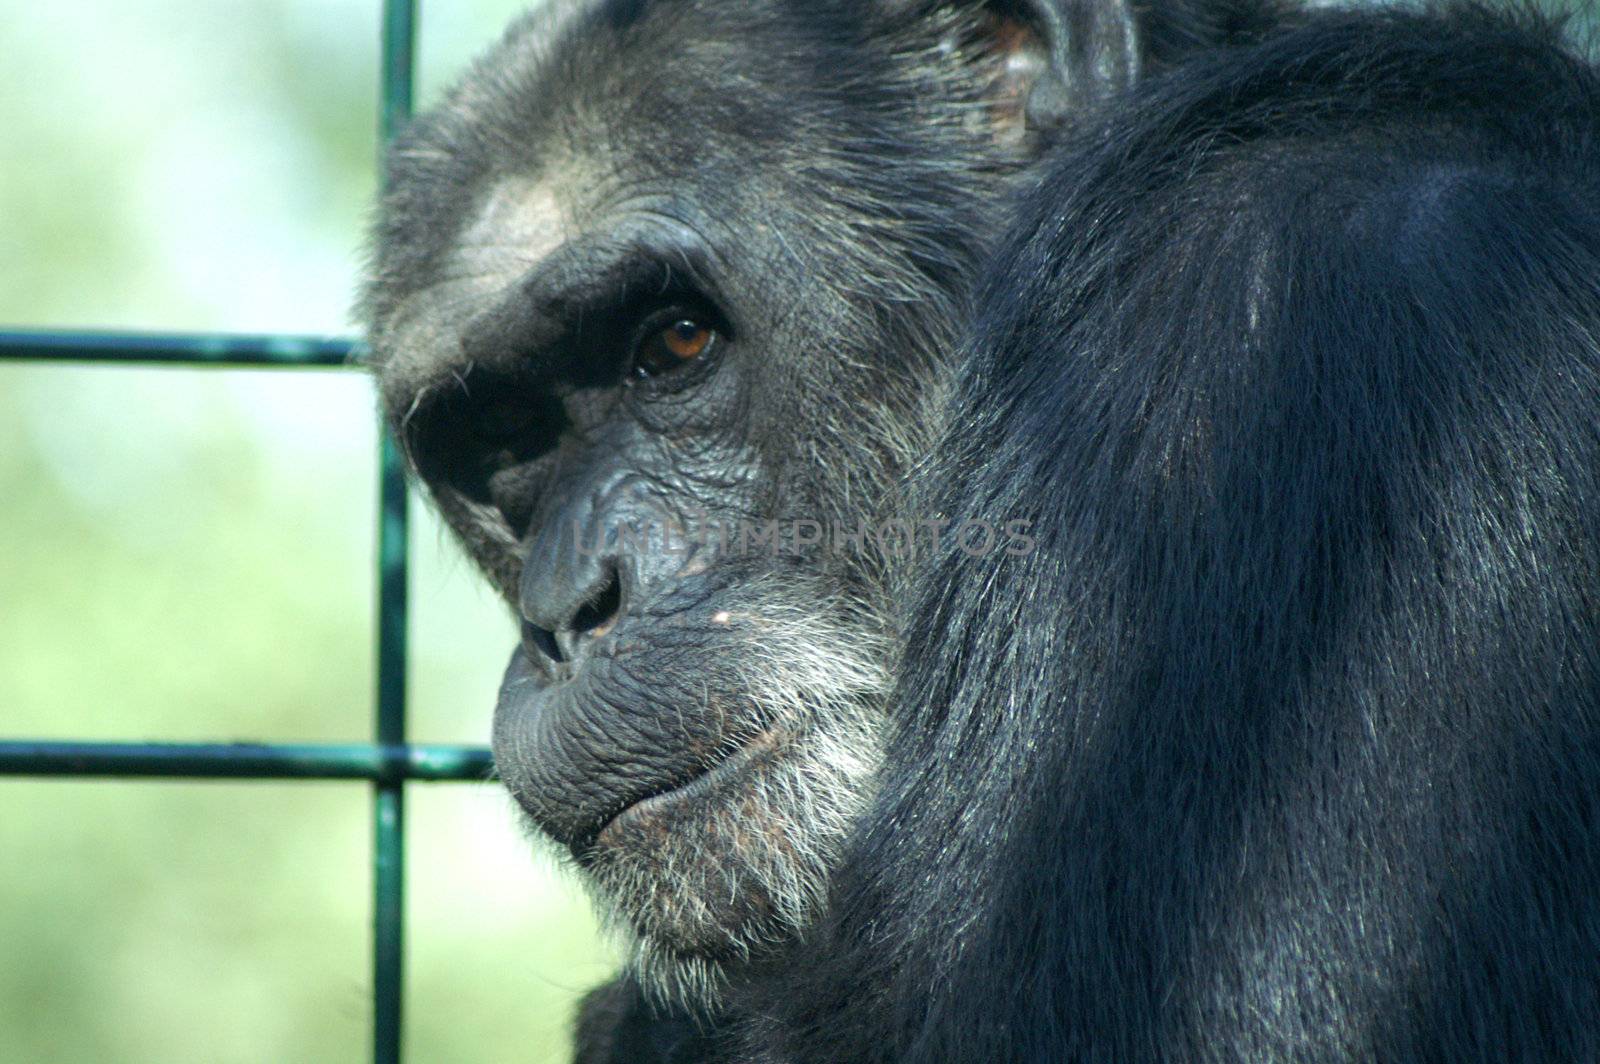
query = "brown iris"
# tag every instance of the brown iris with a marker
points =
(664, 350)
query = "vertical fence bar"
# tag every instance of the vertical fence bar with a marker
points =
(388, 879)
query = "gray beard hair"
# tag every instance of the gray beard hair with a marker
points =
(822, 671)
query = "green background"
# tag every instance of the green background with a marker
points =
(187, 555)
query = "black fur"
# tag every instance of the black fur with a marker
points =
(1285, 743)
(617, 1024)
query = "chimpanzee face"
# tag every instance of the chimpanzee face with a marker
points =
(661, 300)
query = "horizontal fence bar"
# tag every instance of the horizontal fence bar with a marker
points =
(391, 763)
(224, 350)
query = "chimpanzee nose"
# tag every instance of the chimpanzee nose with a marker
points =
(569, 598)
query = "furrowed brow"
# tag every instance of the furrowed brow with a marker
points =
(543, 320)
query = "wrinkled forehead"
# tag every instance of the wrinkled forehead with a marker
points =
(582, 113)
(578, 99)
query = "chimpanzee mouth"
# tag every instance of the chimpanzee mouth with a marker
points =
(702, 782)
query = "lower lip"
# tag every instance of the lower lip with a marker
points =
(763, 743)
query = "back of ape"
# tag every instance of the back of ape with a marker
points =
(1285, 742)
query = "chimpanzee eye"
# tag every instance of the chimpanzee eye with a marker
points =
(670, 342)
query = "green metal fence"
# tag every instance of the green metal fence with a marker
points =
(388, 762)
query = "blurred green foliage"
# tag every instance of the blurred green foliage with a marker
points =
(187, 555)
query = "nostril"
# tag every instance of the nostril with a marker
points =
(596, 617)
(541, 641)
(554, 631)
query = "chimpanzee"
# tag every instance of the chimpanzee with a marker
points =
(1107, 493)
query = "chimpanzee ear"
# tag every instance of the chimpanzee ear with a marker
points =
(1057, 55)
